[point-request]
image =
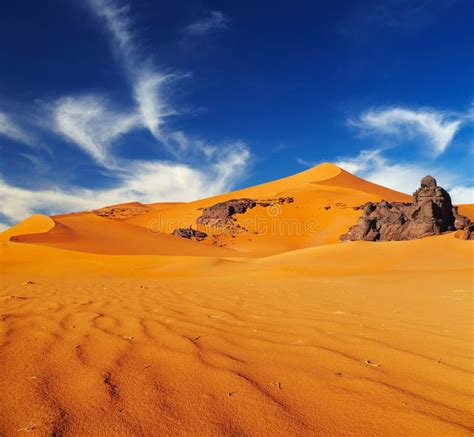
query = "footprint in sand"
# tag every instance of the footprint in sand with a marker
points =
(277, 384)
(29, 428)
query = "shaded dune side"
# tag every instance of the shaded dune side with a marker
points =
(467, 210)
(36, 224)
(348, 180)
(94, 234)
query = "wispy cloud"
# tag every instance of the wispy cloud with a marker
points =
(116, 16)
(144, 181)
(148, 92)
(306, 163)
(146, 81)
(149, 84)
(212, 21)
(436, 128)
(402, 16)
(92, 124)
(402, 176)
(12, 130)
(462, 194)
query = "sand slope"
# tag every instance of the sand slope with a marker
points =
(106, 329)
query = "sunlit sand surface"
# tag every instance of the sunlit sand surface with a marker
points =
(114, 327)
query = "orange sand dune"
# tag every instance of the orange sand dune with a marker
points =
(163, 205)
(109, 329)
(37, 223)
(87, 232)
(467, 210)
(324, 197)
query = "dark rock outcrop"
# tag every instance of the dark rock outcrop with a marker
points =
(430, 213)
(222, 214)
(189, 233)
(460, 221)
(468, 233)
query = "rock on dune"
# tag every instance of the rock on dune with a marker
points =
(431, 213)
(189, 233)
(222, 213)
(468, 233)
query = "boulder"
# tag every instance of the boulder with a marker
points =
(189, 233)
(460, 221)
(468, 233)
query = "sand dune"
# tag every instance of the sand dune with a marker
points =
(107, 328)
(91, 233)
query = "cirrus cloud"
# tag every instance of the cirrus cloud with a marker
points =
(143, 181)
(402, 176)
(12, 130)
(436, 128)
(213, 20)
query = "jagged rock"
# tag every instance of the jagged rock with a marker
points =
(430, 213)
(222, 214)
(433, 203)
(460, 221)
(468, 233)
(189, 233)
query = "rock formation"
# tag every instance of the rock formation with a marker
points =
(430, 213)
(468, 233)
(189, 233)
(460, 221)
(222, 214)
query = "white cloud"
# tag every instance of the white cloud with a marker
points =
(405, 177)
(145, 181)
(148, 92)
(89, 122)
(147, 83)
(118, 23)
(367, 159)
(4, 226)
(372, 166)
(462, 194)
(214, 20)
(437, 128)
(10, 129)
(94, 123)
(305, 163)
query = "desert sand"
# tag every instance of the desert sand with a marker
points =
(111, 326)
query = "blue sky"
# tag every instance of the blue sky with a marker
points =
(107, 101)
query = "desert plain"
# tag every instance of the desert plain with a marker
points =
(111, 326)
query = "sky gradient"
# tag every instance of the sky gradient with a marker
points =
(108, 101)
